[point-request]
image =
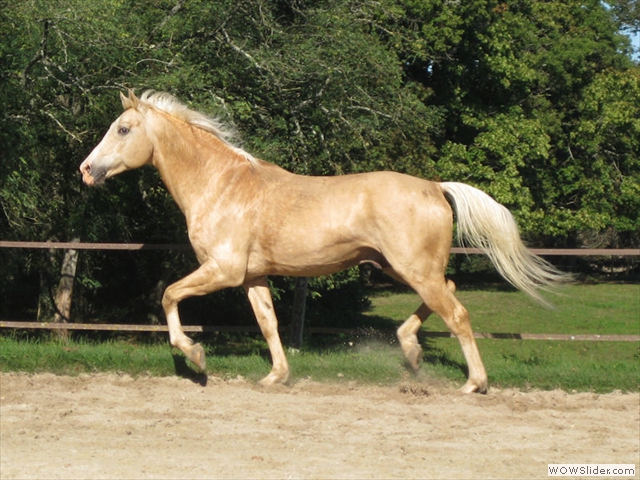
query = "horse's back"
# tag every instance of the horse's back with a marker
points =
(361, 197)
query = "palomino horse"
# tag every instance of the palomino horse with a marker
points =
(247, 219)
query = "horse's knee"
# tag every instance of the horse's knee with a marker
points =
(168, 298)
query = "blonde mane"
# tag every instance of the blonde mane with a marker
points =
(167, 103)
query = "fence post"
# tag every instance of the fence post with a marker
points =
(297, 316)
(65, 289)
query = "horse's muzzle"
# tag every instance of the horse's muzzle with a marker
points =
(85, 170)
(91, 178)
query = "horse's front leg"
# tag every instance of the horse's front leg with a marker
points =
(260, 297)
(208, 278)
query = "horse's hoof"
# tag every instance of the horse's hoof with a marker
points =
(274, 379)
(414, 357)
(472, 387)
(197, 356)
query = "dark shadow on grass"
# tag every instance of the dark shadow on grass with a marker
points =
(365, 329)
(436, 356)
(185, 371)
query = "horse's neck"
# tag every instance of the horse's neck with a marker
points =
(192, 162)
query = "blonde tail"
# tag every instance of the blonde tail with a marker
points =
(484, 223)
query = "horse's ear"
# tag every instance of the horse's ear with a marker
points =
(129, 102)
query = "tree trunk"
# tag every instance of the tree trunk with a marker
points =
(297, 317)
(65, 289)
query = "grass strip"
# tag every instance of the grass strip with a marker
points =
(372, 357)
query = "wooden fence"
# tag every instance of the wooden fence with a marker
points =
(200, 329)
(312, 330)
(604, 252)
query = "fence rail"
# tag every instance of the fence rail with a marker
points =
(245, 329)
(316, 330)
(95, 246)
(620, 252)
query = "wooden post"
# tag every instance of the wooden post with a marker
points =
(297, 317)
(65, 289)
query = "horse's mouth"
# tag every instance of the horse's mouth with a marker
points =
(100, 178)
(92, 179)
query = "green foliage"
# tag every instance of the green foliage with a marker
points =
(512, 80)
(607, 139)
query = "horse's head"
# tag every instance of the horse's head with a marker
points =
(124, 147)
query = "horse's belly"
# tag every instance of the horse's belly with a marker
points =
(315, 262)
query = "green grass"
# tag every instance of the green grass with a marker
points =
(597, 309)
(369, 363)
(570, 365)
(74, 357)
(373, 356)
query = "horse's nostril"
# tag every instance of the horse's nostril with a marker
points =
(87, 177)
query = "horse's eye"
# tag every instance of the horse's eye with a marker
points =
(123, 130)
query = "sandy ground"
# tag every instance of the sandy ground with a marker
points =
(110, 426)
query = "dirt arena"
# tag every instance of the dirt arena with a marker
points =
(110, 426)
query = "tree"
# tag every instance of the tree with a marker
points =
(61, 70)
(605, 146)
(627, 13)
(314, 103)
(513, 80)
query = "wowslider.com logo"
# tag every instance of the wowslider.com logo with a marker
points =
(591, 470)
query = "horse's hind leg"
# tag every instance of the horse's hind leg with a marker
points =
(439, 298)
(262, 304)
(408, 336)
(408, 333)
